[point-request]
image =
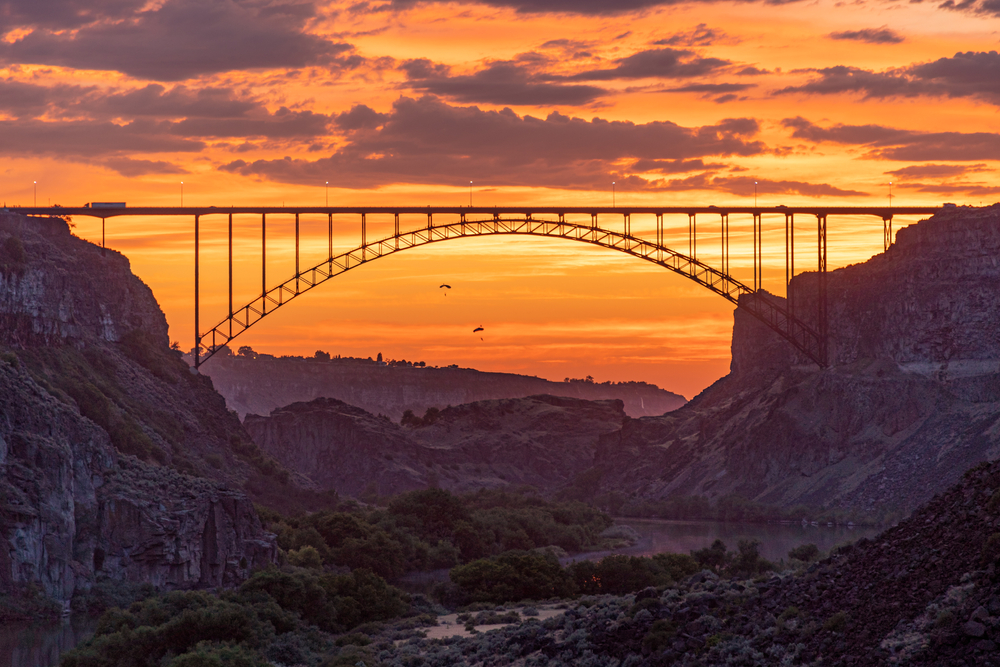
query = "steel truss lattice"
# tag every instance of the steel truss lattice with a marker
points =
(773, 313)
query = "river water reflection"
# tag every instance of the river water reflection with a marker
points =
(777, 539)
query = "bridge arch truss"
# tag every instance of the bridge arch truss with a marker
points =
(809, 339)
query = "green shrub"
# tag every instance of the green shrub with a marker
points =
(804, 552)
(513, 576)
(661, 634)
(306, 557)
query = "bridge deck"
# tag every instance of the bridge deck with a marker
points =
(880, 211)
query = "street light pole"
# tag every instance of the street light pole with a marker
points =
(890, 194)
(470, 194)
(755, 194)
(613, 194)
(328, 194)
(35, 203)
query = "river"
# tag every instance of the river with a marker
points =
(776, 539)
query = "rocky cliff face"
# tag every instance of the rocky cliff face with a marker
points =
(911, 401)
(87, 379)
(542, 441)
(259, 385)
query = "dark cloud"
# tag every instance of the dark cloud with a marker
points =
(427, 141)
(888, 143)
(937, 170)
(883, 35)
(712, 88)
(154, 100)
(282, 124)
(971, 74)
(63, 14)
(587, 7)
(206, 112)
(29, 100)
(360, 117)
(179, 39)
(91, 138)
(656, 63)
(752, 71)
(673, 166)
(501, 82)
(744, 186)
(130, 167)
(980, 8)
(700, 35)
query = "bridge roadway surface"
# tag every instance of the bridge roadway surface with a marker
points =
(879, 211)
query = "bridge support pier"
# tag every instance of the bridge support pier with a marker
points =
(297, 272)
(692, 236)
(789, 261)
(197, 327)
(822, 314)
(724, 235)
(230, 275)
(758, 252)
(886, 232)
(263, 257)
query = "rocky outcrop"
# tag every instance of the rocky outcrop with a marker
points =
(259, 384)
(73, 510)
(86, 380)
(541, 441)
(911, 401)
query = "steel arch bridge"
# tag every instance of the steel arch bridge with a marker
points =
(804, 336)
(808, 337)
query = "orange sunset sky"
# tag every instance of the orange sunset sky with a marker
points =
(536, 102)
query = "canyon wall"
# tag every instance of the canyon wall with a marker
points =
(910, 401)
(104, 432)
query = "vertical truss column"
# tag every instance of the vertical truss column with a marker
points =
(364, 237)
(627, 218)
(692, 236)
(659, 236)
(593, 221)
(887, 231)
(197, 324)
(822, 314)
(296, 253)
(263, 260)
(395, 227)
(103, 248)
(724, 236)
(758, 252)
(230, 275)
(329, 236)
(789, 262)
